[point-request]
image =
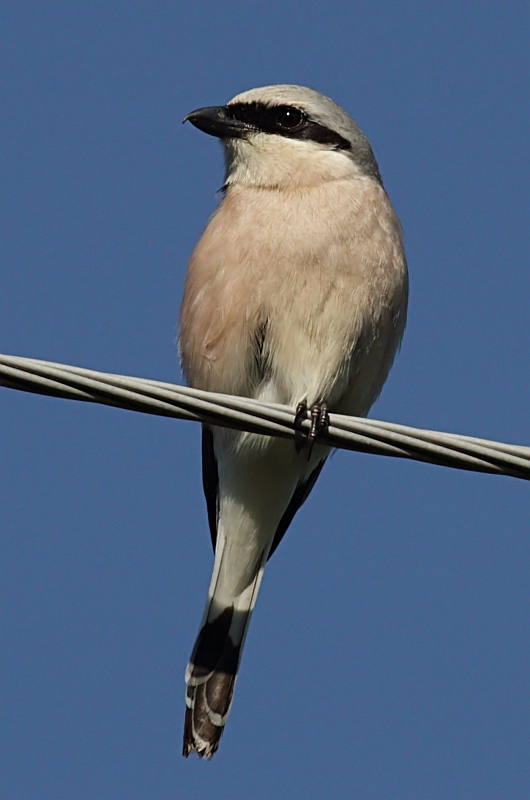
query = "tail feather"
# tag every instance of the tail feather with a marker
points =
(210, 678)
(260, 497)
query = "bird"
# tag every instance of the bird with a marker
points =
(296, 293)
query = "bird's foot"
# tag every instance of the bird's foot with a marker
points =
(300, 437)
(319, 424)
(319, 420)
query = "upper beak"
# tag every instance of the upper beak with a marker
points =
(214, 120)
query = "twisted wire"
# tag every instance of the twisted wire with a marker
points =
(348, 433)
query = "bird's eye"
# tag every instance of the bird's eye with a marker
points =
(289, 118)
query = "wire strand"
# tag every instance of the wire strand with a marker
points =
(182, 402)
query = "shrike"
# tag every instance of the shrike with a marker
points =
(296, 293)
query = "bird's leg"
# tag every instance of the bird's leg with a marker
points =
(300, 438)
(319, 424)
(319, 419)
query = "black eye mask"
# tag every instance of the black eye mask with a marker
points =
(286, 121)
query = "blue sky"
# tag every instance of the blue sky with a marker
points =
(389, 653)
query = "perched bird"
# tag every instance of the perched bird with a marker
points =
(296, 293)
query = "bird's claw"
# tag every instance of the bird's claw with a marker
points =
(319, 420)
(300, 437)
(319, 424)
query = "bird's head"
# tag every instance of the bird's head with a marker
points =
(286, 136)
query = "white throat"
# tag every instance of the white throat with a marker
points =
(272, 161)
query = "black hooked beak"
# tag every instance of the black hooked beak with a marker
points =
(215, 121)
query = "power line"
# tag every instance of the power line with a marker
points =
(348, 433)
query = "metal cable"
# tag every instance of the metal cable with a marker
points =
(349, 433)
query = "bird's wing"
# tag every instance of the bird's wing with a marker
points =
(300, 495)
(210, 482)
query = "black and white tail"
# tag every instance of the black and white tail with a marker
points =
(261, 496)
(212, 671)
(210, 679)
